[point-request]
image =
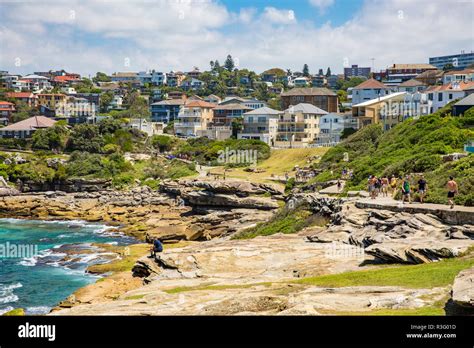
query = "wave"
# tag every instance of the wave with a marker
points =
(37, 310)
(10, 287)
(6, 293)
(6, 309)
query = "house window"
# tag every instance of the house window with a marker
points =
(430, 96)
(440, 97)
(450, 96)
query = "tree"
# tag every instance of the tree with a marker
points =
(448, 67)
(328, 72)
(85, 137)
(305, 70)
(105, 100)
(163, 142)
(101, 77)
(229, 63)
(53, 138)
(137, 106)
(320, 72)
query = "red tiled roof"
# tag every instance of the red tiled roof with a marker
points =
(20, 95)
(5, 103)
(199, 104)
(370, 84)
(65, 78)
(459, 86)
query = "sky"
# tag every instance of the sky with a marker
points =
(86, 36)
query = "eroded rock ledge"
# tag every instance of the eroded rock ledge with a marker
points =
(398, 237)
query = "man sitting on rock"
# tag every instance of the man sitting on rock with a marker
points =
(157, 247)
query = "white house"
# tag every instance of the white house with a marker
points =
(439, 96)
(150, 128)
(260, 124)
(466, 75)
(332, 125)
(368, 90)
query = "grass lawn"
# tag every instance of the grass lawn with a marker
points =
(279, 162)
(428, 275)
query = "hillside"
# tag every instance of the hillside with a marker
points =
(414, 146)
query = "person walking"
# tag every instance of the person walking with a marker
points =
(393, 186)
(385, 183)
(422, 188)
(406, 190)
(452, 191)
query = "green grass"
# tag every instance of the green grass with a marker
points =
(279, 162)
(135, 297)
(180, 289)
(15, 312)
(284, 222)
(413, 146)
(431, 275)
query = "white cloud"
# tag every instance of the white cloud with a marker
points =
(273, 15)
(322, 5)
(173, 35)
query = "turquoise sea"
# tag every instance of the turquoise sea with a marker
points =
(43, 262)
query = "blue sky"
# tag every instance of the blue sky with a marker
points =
(86, 36)
(338, 13)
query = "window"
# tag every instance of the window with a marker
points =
(250, 119)
(430, 96)
(440, 97)
(450, 96)
(336, 120)
(262, 119)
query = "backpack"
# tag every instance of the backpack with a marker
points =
(157, 246)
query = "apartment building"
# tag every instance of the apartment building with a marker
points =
(194, 117)
(166, 110)
(6, 111)
(298, 126)
(322, 98)
(224, 114)
(261, 124)
(369, 90)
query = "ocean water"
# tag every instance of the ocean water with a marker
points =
(43, 262)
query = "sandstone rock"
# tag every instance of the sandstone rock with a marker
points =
(463, 288)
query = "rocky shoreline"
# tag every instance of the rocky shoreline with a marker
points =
(209, 213)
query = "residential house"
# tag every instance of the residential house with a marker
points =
(27, 98)
(194, 73)
(65, 80)
(174, 79)
(37, 82)
(439, 96)
(430, 77)
(166, 110)
(356, 71)
(116, 103)
(390, 109)
(192, 84)
(332, 125)
(148, 127)
(411, 86)
(301, 81)
(176, 95)
(459, 61)
(318, 81)
(322, 98)
(50, 100)
(261, 124)
(331, 81)
(406, 72)
(93, 98)
(193, 118)
(368, 90)
(125, 77)
(75, 107)
(212, 98)
(25, 128)
(248, 102)
(463, 105)
(224, 114)
(466, 75)
(298, 126)
(6, 111)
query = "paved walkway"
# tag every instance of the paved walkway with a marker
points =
(333, 189)
(459, 214)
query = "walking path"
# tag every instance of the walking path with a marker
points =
(459, 214)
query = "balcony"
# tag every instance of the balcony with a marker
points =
(187, 124)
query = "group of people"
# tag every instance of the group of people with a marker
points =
(386, 186)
